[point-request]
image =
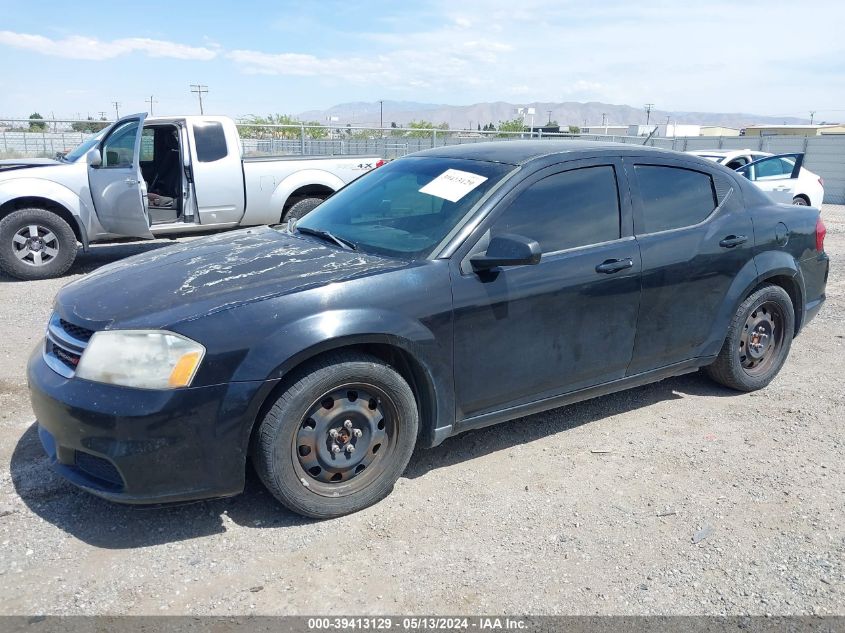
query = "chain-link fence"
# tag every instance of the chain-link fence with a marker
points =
(825, 155)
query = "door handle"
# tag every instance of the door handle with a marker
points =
(610, 266)
(131, 181)
(733, 240)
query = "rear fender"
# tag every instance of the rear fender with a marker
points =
(764, 266)
(304, 178)
(742, 284)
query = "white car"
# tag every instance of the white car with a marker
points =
(779, 175)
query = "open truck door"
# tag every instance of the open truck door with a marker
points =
(117, 186)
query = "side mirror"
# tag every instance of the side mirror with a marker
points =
(94, 158)
(507, 250)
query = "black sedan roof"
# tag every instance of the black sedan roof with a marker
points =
(522, 151)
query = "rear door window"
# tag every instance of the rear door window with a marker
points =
(566, 210)
(673, 197)
(211, 141)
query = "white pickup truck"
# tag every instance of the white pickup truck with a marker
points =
(153, 177)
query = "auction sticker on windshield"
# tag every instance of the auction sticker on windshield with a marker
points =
(453, 184)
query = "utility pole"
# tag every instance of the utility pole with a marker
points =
(381, 113)
(812, 116)
(102, 115)
(668, 117)
(151, 101)
(549, 112)
(648, 108)
(199, 90)
(604, 119)
(116, 105)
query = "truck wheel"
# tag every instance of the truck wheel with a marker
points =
(758, 341)
(301, 208)
(36, 244)
(337, 439)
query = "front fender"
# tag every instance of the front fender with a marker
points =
(31, 187)
(303, 178)
(280, 352)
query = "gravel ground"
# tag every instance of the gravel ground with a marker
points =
(675, 498)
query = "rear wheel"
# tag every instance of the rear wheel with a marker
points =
(338, 438)
(301, 208)
(758, 341)
(801, 201)
(36, 244)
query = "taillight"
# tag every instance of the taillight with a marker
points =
(821, 231)
(380, 163)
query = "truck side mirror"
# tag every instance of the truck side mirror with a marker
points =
(94, 158)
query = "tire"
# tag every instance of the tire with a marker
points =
(751, 357)
(301, 208)
(293, 446)
(800, 201)
(36, 244)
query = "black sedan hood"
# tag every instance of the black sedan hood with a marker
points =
(194, 278)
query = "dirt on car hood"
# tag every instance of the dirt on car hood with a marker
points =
(198, 277)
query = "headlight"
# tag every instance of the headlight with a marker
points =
(140, 358)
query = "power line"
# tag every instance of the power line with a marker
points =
(199, 90)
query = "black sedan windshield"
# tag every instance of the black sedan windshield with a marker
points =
(407, 207)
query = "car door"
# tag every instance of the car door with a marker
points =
(528, 332)
(776, 175)
(117, 185)
(694, 237)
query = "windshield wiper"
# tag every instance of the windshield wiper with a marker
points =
(326, 235)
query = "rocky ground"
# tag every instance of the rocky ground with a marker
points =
(675, 498)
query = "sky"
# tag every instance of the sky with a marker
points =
(768, 57)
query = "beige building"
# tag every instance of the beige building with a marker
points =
(718, 130)
(790, 130)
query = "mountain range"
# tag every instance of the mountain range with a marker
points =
(566, 113)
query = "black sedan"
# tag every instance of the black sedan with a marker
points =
(448, 290)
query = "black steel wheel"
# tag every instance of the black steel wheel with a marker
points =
(758, 341)
(338, 437)
(346, 439)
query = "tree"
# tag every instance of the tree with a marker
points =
(423, 129)
(88, 126)
(36, 125)
(257, 126)
(574, 129)
(514, 125)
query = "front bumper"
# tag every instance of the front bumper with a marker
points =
(144, 446)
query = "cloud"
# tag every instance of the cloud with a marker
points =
(89, 48)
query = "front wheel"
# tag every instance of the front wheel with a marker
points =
(36, 244)
(758, 341)
(337, 439)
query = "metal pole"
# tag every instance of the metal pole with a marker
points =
(302, 139)
(434, 137)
